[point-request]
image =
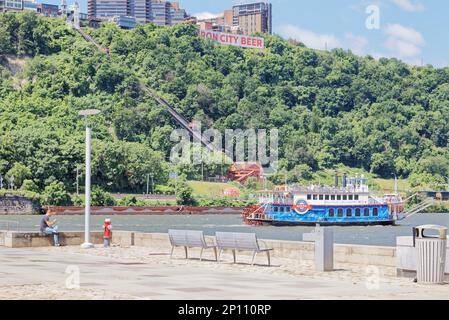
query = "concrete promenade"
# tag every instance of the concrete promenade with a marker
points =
(143, 273)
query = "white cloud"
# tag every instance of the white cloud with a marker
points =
(357, 44)
(402, 42)
(404, 33)
(206, 15)
(408, 5)
(309, 38)
(320, 41)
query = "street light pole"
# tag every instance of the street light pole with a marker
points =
(87, 244)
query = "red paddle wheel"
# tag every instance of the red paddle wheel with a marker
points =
(250, 212)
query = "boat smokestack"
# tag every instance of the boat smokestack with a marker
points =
(345, 180)
(336, 179)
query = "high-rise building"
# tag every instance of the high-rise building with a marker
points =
(253, 17)
(157, 11)
(11, 5)
(177, 15)
(108, 8)
(242, 19)
(141, 10)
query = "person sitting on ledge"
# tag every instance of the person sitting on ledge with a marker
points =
(49, 227)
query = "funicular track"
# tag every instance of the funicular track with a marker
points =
(183, 122)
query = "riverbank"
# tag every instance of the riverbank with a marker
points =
(148, 211)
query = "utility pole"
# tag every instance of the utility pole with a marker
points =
(395, 184)
(77, 181)
(152, 183)
(148, 182)
(11, 182)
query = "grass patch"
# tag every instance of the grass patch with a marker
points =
(209, 189)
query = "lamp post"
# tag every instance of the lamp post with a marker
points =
(87, 244)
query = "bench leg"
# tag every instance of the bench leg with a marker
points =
(185, 249)
(201, 254)
(254, 257)
(215, 252)
(268, 257)
(233, 254)
(171, 253)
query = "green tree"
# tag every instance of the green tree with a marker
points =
(56, 194)
(20, 172)
(101, 198)
(29, 185)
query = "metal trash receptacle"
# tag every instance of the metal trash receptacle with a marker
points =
(431, 253)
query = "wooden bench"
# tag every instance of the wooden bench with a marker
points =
(240, 242)
(189, 239)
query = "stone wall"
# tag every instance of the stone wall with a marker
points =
(407, 256)
(15, 239)
(16, 205)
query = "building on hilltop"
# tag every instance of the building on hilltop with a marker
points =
(48, 10)
(159, 12)
(11, 5)
(242, 19)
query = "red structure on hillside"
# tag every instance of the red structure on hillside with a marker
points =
(241, 171)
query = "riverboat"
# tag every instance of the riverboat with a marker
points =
(350, 204)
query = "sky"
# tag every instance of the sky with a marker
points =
(414, 31)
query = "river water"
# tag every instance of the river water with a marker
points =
(370, 235)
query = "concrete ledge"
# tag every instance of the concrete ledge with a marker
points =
(15, 239)
(407, 255)
(354, 254)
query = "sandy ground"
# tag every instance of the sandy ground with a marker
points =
(380, 283)
(346, 282)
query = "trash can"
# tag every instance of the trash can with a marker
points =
(431, 253)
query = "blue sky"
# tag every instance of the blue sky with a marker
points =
(414, 31)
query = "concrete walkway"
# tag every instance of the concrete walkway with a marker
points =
(34, 273)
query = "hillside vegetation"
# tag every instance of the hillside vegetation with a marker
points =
(333, 108)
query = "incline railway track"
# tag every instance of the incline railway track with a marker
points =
(183, 122)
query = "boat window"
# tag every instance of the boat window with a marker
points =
(366, 212)
(340, 212)
(288, 209)
(333, 197)
(358, 212)
(321, 197)
(356, 197)
(276, 209)
(345, 197)
(349, 212)
(281, 209)
(315, 197)
(326, 197)
(351, 197)
(375, 212)
(309, 197)
(331, 212)
(338, 197)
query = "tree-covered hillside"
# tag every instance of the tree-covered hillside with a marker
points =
(332, 108)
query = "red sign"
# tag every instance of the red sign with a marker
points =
(302, 207)
(233, 39)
